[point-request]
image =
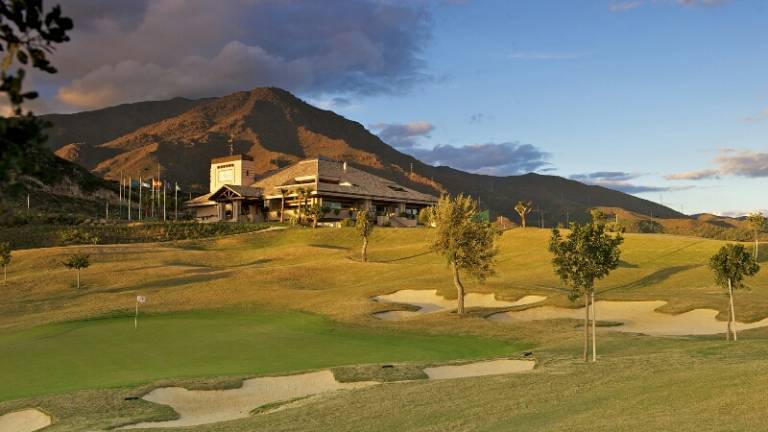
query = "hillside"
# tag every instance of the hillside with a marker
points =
(61, 192)
(180, 137)
(701, 225)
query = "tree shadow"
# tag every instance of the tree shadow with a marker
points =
(181, 281)
(654, 278)
(624, 264)
(405, 257)
(327, 246)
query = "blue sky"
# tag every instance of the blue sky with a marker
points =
(666, 99)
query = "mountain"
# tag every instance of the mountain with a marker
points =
(180, 136)
(699, 225)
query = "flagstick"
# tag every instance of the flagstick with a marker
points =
(175, 201)
(136, 316)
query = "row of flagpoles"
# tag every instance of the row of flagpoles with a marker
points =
(158, 197)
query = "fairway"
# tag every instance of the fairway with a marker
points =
(109, 352)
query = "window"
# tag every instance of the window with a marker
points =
(332, 204)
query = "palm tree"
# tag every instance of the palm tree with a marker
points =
(283, 193)
(757, 222)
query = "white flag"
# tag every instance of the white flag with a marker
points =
(141, 299)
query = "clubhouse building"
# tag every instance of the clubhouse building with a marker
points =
(236, 195)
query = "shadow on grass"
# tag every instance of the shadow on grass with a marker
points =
(624, 264)
(181, 281)
(656, 277)
(405, 257)
(327, 246)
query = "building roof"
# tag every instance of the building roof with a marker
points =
(201, 201)
(337, 178)
(323, 177)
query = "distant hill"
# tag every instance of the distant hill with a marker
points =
(180, 137)
(699, 225)
(61, 192)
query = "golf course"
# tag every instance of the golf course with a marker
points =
(299, 300)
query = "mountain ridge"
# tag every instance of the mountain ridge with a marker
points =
(180, 136)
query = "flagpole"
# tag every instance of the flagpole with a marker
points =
(136, 316)
(120, 197)
(175, 201)
(140, 188)
(164, 206)
(130, 189)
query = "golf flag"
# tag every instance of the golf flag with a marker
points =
(139, 300)
(177, 188)
(145, 184)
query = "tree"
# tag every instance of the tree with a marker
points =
(27, 34)
(587, 254)
(523, 208)
(303, 194)
(78, 262)
(597, 216)
(467, 243)
(283, 194)
(5, 259)
(757, 222)
(731, 264)
(315, 212)
(364, 226)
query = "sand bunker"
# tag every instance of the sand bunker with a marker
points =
(636, 317)
(196, 407)
(27, 420)
(493, 367)
(428, 301)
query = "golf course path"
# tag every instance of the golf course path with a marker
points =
(27, 420)
(428, 301)
(635, 317)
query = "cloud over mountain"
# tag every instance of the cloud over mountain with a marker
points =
(620, 181)
(506, 158)
(403, 135)
(139, 50)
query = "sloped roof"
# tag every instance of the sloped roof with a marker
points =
(202, 200)
(330, 177)
(242, 191)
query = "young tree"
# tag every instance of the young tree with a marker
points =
(5, 259)
(27, 34)
(757, 222)
(731, 264)
(467, 243)
(523, 208)
(364, 226)
(78, 262)
(587, 254)
(316, 212)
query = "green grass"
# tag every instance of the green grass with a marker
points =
(109, 352)
(299, 299)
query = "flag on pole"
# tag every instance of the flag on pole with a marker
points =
(139, 300)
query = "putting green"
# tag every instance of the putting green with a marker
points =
(109, 352)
